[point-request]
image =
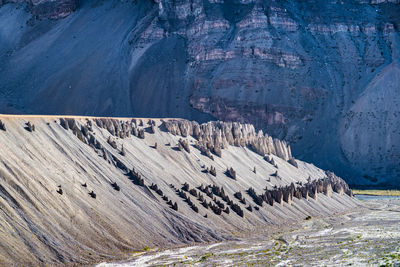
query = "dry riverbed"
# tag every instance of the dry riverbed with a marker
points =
(369, 236)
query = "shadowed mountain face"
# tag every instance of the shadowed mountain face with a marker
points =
(324, 75)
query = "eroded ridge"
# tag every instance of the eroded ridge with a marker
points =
(134, 183)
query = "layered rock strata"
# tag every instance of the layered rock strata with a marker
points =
(305, 71)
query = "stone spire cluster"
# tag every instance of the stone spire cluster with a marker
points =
(218, 134)
(211, 136)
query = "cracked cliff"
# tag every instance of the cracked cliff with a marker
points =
(323, 75)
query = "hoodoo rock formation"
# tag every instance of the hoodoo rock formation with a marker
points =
(68, 195)
(220, 135)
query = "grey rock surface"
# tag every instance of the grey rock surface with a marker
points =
(323, 75)
(69, 196)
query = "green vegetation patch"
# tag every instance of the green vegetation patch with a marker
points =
(377, 192)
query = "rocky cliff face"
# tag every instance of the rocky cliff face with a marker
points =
(321, 74)
(53, 9)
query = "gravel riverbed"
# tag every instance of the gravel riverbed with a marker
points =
(369, 236)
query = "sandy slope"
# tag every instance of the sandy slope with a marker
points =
(40, 226)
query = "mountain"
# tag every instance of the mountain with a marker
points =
(323, 75)
(81, 190)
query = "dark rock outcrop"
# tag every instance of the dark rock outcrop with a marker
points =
(230, 172)
(30, 127)
(2, 126)
(213, 171)
(256, 198)
(331, 183)
(115, 186)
